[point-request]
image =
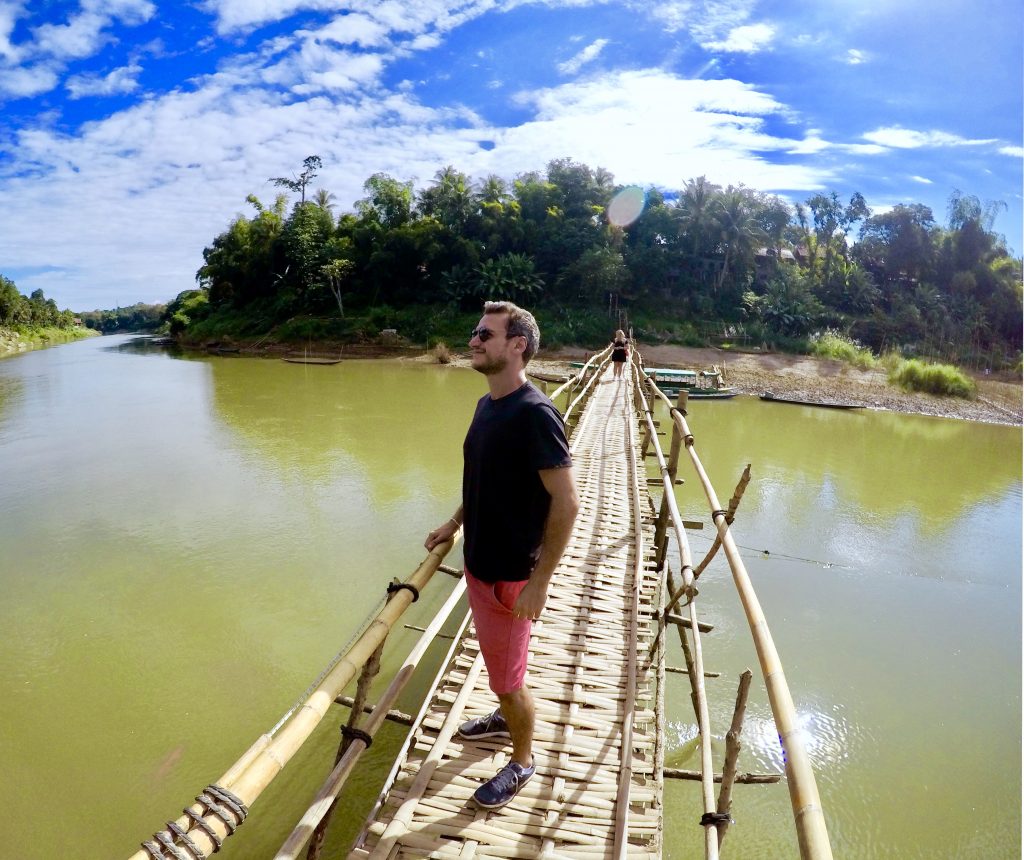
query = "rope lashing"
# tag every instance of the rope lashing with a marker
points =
(675, 410)
(719, 512)
(714, 818)
(214, 800)
(186, 840)
(237, 807)
(167, 842)
(204, 825)
(398, 586)
(356, 734)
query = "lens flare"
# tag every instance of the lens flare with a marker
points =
(626, 206)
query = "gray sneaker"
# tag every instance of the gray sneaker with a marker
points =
(490, 726)
(503, 786)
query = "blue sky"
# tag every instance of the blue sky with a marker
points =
(132, 130)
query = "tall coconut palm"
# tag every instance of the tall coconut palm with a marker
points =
(324, 199)
(696, 210)
(737, 228)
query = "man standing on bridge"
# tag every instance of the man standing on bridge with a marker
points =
(518, 505)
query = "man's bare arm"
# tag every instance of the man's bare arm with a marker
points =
(445, 531)
(565, 504)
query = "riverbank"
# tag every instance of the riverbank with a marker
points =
(800, 377)
(13, 342)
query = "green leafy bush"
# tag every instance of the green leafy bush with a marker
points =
(835, 344)
(917, 375)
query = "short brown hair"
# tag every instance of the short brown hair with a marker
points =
(520, 324)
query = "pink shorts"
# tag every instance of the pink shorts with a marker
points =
(504, 640)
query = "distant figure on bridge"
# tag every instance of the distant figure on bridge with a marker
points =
(620, 352)
(518, 505)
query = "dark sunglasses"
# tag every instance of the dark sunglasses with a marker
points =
(485, 334)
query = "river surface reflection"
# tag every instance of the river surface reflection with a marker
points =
(186, 541)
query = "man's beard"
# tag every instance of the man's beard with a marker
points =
(491, 366)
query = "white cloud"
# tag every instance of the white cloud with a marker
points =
(855, 57)
(922, 180)
(354, 29)
(748, 39)
(123, 80)
(1013, 151)
(905, 138)
(27, 81)
(9, 15)
(83, 34)
(587, 55)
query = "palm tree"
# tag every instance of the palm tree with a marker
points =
(737, 227)
(324, 199)
(695, 209)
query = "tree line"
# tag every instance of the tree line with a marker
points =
(700, 255)
(30, 312)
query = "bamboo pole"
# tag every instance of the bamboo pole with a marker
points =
(621, 843)
(730, 517)
(325, 799)
(579, 376)
(697, 676)
(594, 377)
(732, 752)
(660, 540)
(370, 669)
(808, 815)
(251, 774)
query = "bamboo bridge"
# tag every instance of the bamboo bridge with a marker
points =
(597, 673)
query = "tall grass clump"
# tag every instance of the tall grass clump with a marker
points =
(917, 375)
(835, 344)
(441, 353)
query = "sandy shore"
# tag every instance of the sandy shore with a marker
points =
(807, 378)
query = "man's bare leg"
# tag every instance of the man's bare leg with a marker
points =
(517, 709)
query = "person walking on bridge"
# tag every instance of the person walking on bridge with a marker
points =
(519, 503)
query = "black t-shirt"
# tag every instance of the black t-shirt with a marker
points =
(504, 501)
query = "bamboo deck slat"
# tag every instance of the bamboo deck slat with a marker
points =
(580, 651)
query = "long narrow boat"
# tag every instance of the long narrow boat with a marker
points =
(767, 395)
(703, 384)
(301, 359)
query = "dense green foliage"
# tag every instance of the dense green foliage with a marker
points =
(703, 260)
(915, 375)
(138, 317)
(26, 313)
(835, 344)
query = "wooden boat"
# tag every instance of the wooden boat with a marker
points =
(548, 377)
(705, 384)
(767, 395)
(309, 359)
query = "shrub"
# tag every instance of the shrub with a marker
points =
(835, 344)
(916, 375)
(441, 353)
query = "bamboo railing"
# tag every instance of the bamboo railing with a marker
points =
(224, 805)
(808, 814)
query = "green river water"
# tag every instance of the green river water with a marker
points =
(186, 541)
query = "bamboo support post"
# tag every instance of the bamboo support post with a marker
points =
(732, 752)
(809, 817)
(730, 516)
(370, 670)
(256, 769)
(660, 538)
